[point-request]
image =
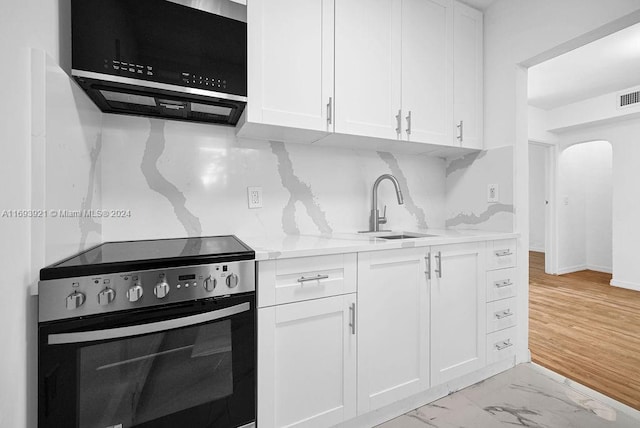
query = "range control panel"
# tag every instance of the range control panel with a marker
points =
(76, 297)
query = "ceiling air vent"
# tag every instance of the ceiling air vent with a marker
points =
(628, 99)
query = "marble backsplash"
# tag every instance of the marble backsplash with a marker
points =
(467, 178)
(172, 179)
(180, 179)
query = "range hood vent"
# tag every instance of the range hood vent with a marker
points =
(138, 100)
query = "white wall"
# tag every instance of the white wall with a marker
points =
(623, 137)
(538, 126)
(585, 207)
(598, 110)
(516, 31)
(537, 196)
(599, 206)
(571, 226)
(23, 25)
(50, 159)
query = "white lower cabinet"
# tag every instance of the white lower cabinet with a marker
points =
(307, 363)
(393, 326)
(419, 317)
(458, 307)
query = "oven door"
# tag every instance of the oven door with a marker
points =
(190, 365)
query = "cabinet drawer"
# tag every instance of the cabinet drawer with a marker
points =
(501, 345)
(303, 278)
(501, 254)
(501, 314)
(501, 284)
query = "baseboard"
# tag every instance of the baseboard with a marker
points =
(536, 249)
(630, 411)
(625, 284)
(571, 269)
(605, 269)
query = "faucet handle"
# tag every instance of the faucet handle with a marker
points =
(383, 218)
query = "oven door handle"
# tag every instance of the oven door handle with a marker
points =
(136, 330)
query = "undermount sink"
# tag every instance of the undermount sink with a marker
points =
(406, 236)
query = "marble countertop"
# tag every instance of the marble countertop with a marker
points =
(289, 246)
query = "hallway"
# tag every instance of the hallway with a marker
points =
(586, 330)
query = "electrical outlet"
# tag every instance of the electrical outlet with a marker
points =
(493, 193)
(254, 197)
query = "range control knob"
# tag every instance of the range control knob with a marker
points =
(106, 296)
(75, 300)
(232, 280)
(135, 293)
(161, 290)
(210, 283)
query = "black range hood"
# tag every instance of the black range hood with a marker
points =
(161, 59)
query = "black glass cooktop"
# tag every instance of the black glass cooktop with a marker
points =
(128, 256)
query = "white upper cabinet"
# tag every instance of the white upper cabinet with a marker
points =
(467, 77)
(427, 72)
(290, 65)
(458, 308)
(395, 70)
(393, 326)
(367, 75)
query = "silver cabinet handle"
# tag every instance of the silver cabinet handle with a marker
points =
(503, 345)
(503, 314)
(502, 284)
(329, 118)
(460, 126)
(439, 264)
(312, 278)
(503, 253)
(136, 330)
(427, 259)
(352, 316)
(398, 122)
(409, 124)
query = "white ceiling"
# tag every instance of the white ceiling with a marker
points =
(479, 4)
(606, 65)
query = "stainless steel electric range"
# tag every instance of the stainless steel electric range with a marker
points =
(156, 333)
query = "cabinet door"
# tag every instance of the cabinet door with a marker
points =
(290, 62)
(467, 78)
(458, 306)
(427, 70)
(367, 69)
(307, 363)
(393, 326)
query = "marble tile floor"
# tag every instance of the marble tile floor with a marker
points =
(522, 396)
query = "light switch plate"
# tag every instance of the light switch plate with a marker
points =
(254, 197)
(493, 193)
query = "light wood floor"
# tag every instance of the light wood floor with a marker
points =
(586, 330)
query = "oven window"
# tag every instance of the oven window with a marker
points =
(131, 381)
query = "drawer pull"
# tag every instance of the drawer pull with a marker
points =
(503, 345)
(501, 284)
(503, 253)
(504, 314)
(312, 278)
